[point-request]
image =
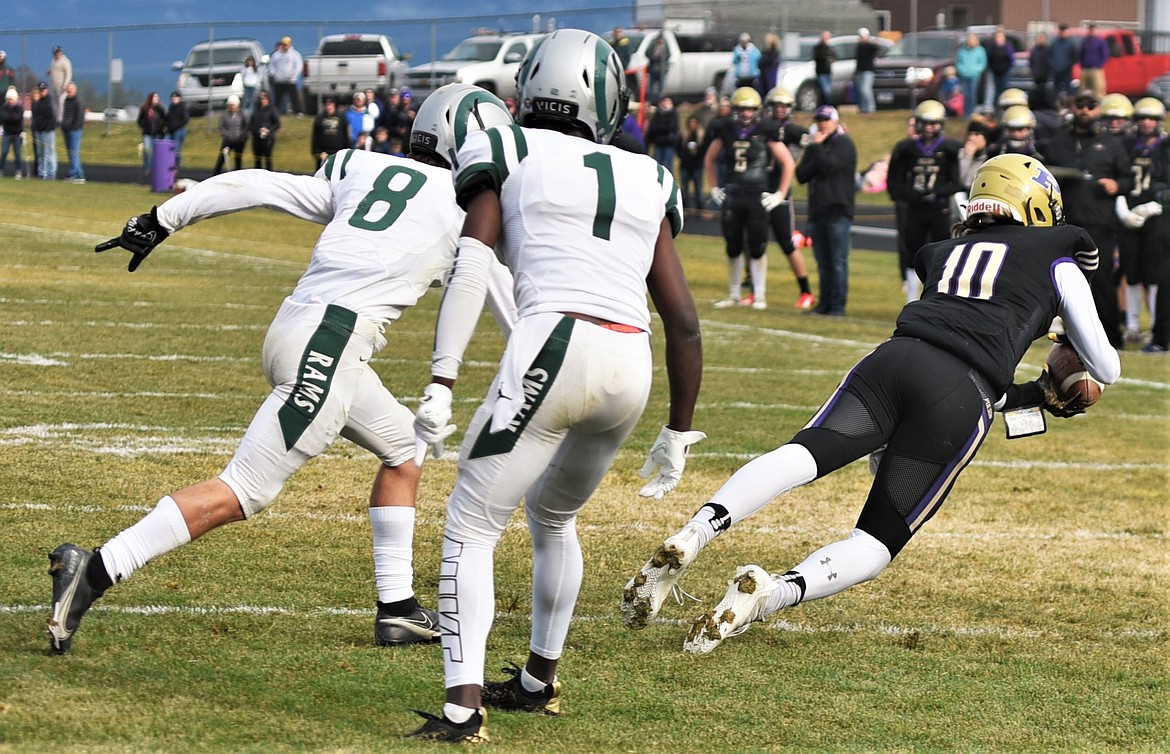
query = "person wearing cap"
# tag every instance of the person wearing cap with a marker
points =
(60, 76)
(1093, 55)
(974, 151)
(863, 73)
(11, 131)
(44, 127)
(7, 74)
(330, 132)
(829, 166)
(233, 135)
(1093, 169)
(284, 66)
(1062, 54)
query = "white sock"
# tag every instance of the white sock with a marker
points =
(1152, 301)
(1133, 307)
(832, 569)
(759, 268)
(530, 682)
(457, 714)
(156, 533)
(756, 484)
(913, 286)
(393, 531)
(735, 275)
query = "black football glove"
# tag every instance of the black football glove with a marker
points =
(139, 237)
(1052, 402)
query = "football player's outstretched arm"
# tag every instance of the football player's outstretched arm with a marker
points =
(684, 367)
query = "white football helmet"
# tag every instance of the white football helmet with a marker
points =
(451, 112)
(574, 77)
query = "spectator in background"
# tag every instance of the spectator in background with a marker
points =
(950, 92)
(60, 76)
(263, 125)
(7, 74)
(233, 135)
(708, 109)
(974, 151)
(657, 65)
(250, 78)
(330, 132)
(382, 143)
(72, 122)
(690, 163)
(662, 133)
(152, 122)
(176, 121)
(1093, 55)
(1000, 54)
(1040, 63)
(745, 62)
(970, 63)
(823, 58)
(12, 131)
(284, 66)
(44, 127)
(358, 119)
(866, 54)
(373, 109)
(510, 103)
(624, 48)
(1062, 54)
(769, 64)
(394, 117)
(829, 166)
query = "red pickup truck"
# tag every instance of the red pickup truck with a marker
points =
(1128, 71)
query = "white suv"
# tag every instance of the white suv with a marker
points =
(487, 60)
(211, 72)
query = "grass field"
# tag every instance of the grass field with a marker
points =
(1029, 616)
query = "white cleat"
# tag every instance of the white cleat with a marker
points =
(645, 593)
(743, 604)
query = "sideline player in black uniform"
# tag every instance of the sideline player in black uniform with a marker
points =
(1140, 242)
(746, 150)
(924, 398)
(781, 217)
(924, 172)
(1017, 134)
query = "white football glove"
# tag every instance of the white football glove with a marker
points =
(1128, 217)
(668, 457)
(1148, 210)
(771, 201)
(718, 194)
(432, 420)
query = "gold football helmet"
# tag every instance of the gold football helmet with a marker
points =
(1019, 187)
(930, 111)
(1018, 116)
(781, 96)
(745, 98)
(1149, 107)
(1011, 98)
(1116, 106)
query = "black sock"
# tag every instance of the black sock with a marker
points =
(399, 609)
(96, 574)
(803, 283)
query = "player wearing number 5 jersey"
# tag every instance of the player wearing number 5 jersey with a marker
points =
(391, 225)
(926, 396)
(586, 229)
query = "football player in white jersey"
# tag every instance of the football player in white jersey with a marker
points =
(586, 229)
(391, 224)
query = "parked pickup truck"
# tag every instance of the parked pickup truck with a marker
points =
(486, 60)
(1129, 70)
(348, 63)
(697, 61)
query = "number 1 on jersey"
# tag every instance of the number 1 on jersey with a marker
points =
(606, 193)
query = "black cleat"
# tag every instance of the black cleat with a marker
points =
(72, 594)
(474, 731)
(511, 695)
(420, 627)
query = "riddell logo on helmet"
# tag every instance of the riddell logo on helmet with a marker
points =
(560, 108)
(988, 206)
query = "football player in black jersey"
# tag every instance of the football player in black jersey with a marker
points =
(921, 403)
(1017, 133)
(746, 150)
(924, 172)
(779, 123)
(1140, 241)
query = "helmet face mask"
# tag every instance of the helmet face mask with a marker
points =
(779, 96)
(745, 104)
(448, 115)
(572, 79)
(1017, 187)
(929, 117)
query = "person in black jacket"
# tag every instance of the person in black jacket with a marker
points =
(829, 166)
(1093, 169)
(690, 163)
(263, 125)
(152, 122)
(12, 124)
(72, 123)
(330, 131)
(662, 133)
(44, 127)
(1041, 66)
(823, 58)
(176, 122)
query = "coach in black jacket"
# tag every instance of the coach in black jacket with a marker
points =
(829, 167)
(1093, 169)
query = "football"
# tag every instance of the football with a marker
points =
(1071, 381)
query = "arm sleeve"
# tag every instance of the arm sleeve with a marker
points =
(462, 302)
(307, 197)
(1083, 327)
